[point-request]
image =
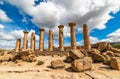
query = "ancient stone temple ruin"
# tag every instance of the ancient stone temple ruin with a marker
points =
(50, 42)
(81, 58)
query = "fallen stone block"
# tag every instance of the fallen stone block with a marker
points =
(115, 63)
(75, 54)
(97, 57)
(109, 53)
(115, 50)
(79, 65)
(57, 64)
(102, 46)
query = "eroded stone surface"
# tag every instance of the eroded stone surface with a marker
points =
(75, 54)
(57, 64)
(115, 63)
(82, 64)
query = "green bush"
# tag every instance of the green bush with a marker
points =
(116, 45)
(40, 63)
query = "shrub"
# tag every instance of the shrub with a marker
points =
(40, 63)
(116, 45)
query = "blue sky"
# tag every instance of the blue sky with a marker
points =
(102, 17)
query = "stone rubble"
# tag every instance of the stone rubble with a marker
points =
(80, 58)
(57, 64)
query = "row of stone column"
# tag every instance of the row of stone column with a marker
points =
(61, 39)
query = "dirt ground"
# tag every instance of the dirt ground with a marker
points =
(27, 70)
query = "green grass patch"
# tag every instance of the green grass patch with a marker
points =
(116, 45)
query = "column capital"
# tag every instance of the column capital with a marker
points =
(72, 24)
(33, 33)
(60, 26)
(19, 39)
(41, 29)
(85, 25)
(25, 31)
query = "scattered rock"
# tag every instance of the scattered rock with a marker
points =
(109, 53)
(68, 58)
(57, 64)
(115, 50)
(79, 65)
(115, 63)
(28, 58)
(84, 52)
(107, 59)
(97, 57)
(24, 56)
(75, 54)
(117, 54)
(102, 46)
(6, 57)
(94, 51)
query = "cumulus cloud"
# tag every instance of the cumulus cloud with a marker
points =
(50, 14)
(113, 37)
(54, 12)
(5, 44)
(1, 26)
(8, 39)
(93, 40)
(4, 17)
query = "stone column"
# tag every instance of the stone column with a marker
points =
(50, 40)
(86, 37)
(18, 44)
(33, 42)
(61, 38)
(73, 38)
(41, 43)
(25, 42)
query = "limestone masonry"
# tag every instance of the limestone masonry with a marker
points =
(50, 43)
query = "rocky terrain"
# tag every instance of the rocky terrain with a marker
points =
(100, 62)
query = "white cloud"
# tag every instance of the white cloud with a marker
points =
(48, 15)
(93, 40)
(7, 44)
(113, 37)
(54, 12)
(4, 17)
(7, 39)
(1, 26)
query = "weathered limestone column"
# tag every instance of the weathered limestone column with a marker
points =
(61, 38)
(73, 38)
(25, 42)
(18, 44)
(86, 37)
(33, 42)
(50, 40)
(41, 43)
